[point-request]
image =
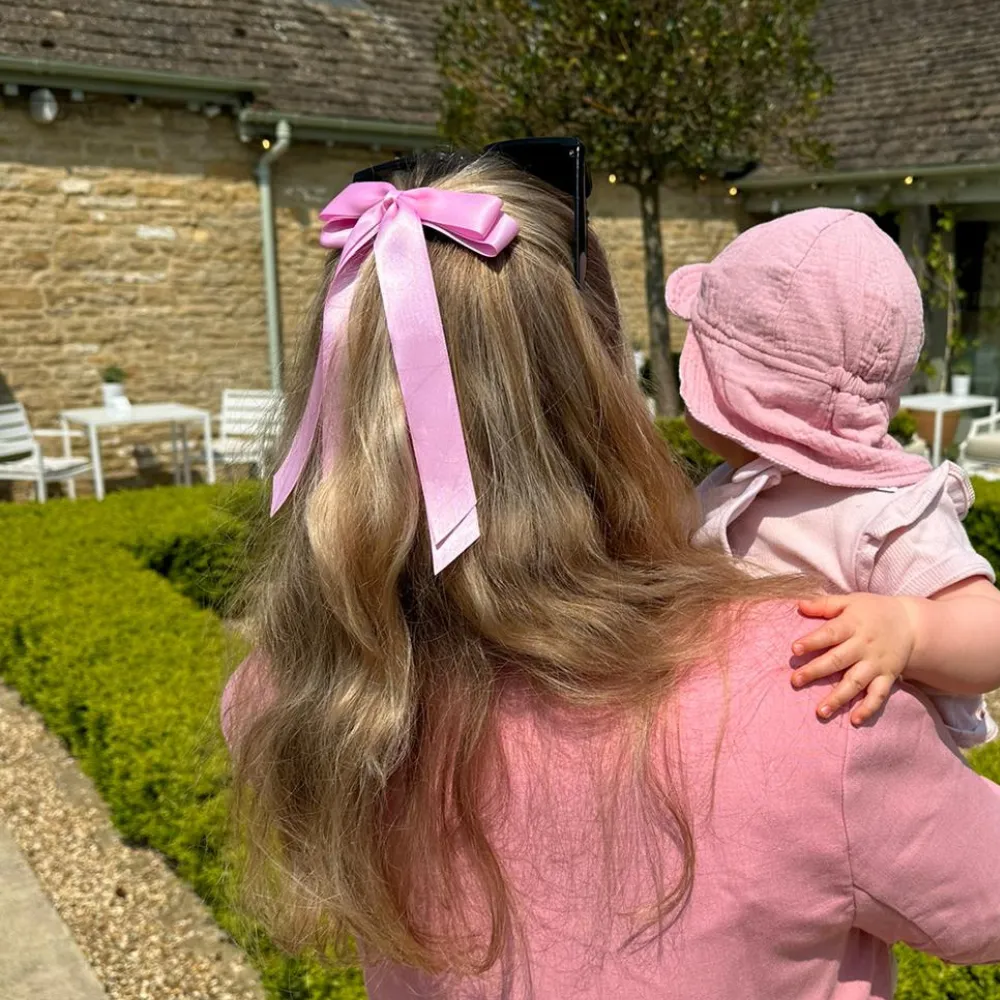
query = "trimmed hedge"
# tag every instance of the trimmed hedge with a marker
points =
(698, 461)
(128, 670)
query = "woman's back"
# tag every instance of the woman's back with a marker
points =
(815, 845)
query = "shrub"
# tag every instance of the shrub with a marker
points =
(983, 522)
(903, 427)
(128, 672)
(698, 461)
(205, 565)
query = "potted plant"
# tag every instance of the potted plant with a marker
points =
(961, 377)
(113, 387)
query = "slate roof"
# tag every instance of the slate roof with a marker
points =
(916, 82)
(363, 59)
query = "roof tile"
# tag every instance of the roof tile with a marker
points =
(367, 59)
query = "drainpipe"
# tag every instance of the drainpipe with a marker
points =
(283, 139)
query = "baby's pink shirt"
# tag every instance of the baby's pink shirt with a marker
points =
(907, 541)
(818, 846)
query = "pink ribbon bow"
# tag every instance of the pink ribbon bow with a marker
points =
(370, 214)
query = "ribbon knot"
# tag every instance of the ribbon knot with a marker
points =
(376, 217)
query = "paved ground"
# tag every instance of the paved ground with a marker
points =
(84, 916)
(39, 960)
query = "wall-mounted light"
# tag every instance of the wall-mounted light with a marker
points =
(266, 144)
(43, 106)
(612, 178)
(907, 181)
(733, 192)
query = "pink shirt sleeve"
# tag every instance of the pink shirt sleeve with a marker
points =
(923, 833)
(246, 693)
(916, 544)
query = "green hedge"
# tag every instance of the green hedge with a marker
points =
(698, 461)
(128, 670)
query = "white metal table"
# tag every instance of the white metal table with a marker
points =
(940, 403)
(95, 418)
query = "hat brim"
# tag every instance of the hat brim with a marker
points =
(683, 286)
(845, 463)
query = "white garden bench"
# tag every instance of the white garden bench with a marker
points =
(247, 426)
(22, 460)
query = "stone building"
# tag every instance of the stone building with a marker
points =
(135, 187)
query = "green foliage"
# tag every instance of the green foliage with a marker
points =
(113, 375)
(128, 672)
(903, 427)
(205, 565)
(938, 276)
(653, 87)
(982, 524)
(698, 461)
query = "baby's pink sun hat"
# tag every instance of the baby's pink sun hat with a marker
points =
(803, 333)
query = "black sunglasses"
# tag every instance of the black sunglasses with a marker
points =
(561, 163)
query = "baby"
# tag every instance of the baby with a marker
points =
(803, 332)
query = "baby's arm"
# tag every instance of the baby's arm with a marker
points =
(957, 641)
(950, 642)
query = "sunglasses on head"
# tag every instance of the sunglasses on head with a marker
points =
(561, 163)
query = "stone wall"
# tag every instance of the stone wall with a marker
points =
(131, 236)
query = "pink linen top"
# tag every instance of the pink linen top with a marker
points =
(818, 845)
(906, 541)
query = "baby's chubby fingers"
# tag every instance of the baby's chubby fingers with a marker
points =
(833, 633)
(824, 606)
(856, 680)
(841, 657)
(877, 695)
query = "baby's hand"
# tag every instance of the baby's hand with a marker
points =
(869, 637)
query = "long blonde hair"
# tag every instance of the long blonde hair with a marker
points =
(364, 776)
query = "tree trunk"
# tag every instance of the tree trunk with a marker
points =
(667, 398)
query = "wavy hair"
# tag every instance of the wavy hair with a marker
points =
(368, 779)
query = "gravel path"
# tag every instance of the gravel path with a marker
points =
(146, 934)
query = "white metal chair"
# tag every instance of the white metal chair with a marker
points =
(979, 453)
(247, 425)
(21, 458)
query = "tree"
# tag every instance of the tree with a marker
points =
(656, 89)
(938, 277)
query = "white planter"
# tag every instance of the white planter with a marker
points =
(113, 396)
(961, 385)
